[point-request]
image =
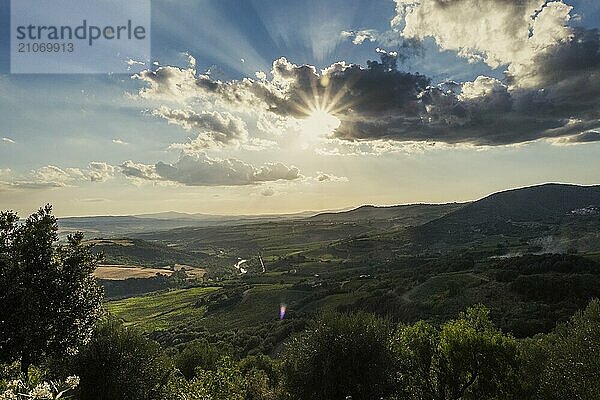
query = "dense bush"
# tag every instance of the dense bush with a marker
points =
(467, 358)
(198, 354)
(340, 355)
(120, 363)
(566, 363)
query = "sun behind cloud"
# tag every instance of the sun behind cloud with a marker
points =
(320, 123)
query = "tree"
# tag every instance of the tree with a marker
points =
(262, 376)
(120, 363)
(467, 358)
(50, 299)
(224, 383)
(200, 354)
(340, 355)
(565, 363)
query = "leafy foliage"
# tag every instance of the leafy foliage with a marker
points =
(467, 358)
(339, 356)
(198, 354)
(566, 363)
(17, 389)
(49, 297)
(120, 363)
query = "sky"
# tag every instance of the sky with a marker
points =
(257, 106)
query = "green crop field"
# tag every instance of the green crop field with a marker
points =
(161, 310)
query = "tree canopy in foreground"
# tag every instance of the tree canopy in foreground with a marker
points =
(49, 298)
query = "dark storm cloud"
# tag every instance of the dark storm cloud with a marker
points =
(585, 137)
(571, 70)
(564, 102)
(555, 96)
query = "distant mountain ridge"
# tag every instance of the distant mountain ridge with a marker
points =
(407, 215)
(116, 226)
(174, 215)
(501, 212)
(527, 205)
(532, 203)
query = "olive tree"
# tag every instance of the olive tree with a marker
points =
(49, 299)
(566, 363)
(119, 363)
(467, 358)
(340, 356)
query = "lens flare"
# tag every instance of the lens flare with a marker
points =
(282, 310)
(322, 106)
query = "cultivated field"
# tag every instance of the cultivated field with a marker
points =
(121, 272)
(161, 310)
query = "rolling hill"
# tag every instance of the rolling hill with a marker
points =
(543, 210)
(530, 204)
(405, 215)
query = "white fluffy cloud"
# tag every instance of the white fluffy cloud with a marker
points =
(52, 176)
(359, 37)
(139, 171)
(100, 171)
(499, 32)
(169, 83)
(324, 177)
(197, 169)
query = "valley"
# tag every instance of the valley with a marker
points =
(533, 263)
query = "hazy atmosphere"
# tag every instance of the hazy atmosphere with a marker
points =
(274, 107)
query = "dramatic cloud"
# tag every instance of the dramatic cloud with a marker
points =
(214, 129)
(8, 140)
(499, 32)
(201, 170)
(551, 88)
(296, 90)
(532, 38)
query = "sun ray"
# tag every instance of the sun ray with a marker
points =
(322, 106)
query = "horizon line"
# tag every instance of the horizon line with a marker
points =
(316, 212)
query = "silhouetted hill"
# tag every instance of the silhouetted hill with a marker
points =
(507, 211)
(405, 215)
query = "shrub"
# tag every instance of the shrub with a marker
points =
(120, 363)
(340, 355)
(467, 358)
